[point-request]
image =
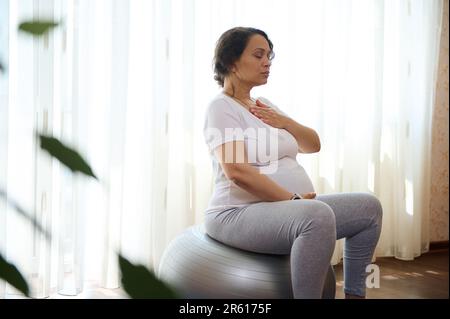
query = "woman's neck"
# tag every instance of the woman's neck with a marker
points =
(239, 91)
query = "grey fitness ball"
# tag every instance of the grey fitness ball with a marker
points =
(198, 266)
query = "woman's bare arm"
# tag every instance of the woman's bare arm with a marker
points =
(307, 139)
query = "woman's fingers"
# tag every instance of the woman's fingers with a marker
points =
(261, 104)
(262, 111)
(309, 195)
(267, 115)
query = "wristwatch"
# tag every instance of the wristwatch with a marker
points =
(296, 196)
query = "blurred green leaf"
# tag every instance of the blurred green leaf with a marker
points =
(2, 68)
(66, 155)
(140, 283)
(37, 28)
(11, 275)
(22, 212)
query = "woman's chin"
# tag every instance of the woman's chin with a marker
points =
(261, 82)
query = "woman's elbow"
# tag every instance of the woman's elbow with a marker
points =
(316, 145)
(317, 148)
(311, 149)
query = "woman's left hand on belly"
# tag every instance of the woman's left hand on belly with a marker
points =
(309, 195)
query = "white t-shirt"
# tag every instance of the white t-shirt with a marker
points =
(272, 151)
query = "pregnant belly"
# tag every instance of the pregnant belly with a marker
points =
(294, 179)
(288, 174)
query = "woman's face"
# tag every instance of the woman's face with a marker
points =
(254, 64)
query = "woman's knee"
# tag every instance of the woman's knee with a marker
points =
(321, 218)
(324, 215)
(373, 207)
(315, 220)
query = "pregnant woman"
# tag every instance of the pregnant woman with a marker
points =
(264, 202)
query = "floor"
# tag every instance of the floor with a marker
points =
(424, 278)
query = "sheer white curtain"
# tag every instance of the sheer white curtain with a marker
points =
(127, 83)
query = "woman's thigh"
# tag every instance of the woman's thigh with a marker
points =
(269, 227)
(353, 211)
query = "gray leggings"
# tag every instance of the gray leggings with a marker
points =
(307, 230)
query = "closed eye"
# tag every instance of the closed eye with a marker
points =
(270, 55)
